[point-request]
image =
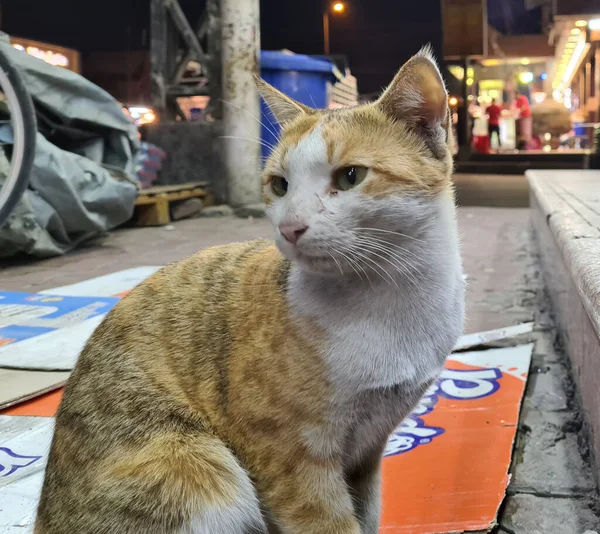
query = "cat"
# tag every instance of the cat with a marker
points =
(252, 387)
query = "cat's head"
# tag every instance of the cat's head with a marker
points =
(349, 187)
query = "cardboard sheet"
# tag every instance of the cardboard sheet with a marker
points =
(41, 331)
(24, 446)
(110, 285)
(19, 386)
(481, 338)
(445, 468)
(47, 330)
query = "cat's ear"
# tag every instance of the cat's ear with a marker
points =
(284, 108)
(418, 96)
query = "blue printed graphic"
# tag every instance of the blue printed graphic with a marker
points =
(26, 315)
(452, 384)
(11, 461)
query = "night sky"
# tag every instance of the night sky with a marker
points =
(377, 36)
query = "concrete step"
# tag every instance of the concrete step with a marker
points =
(565, 212)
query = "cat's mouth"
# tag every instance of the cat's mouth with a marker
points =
(309, 258)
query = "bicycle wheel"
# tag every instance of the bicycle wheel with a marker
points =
(24, 128)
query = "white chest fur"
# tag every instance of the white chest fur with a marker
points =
(383, 333)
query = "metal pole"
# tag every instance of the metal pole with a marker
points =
(240, 34)
(326, 31)
(464, 119)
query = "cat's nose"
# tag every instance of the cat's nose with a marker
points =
(292, 231)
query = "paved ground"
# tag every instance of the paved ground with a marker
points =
(486, 232)
(551, 489)
(493, 190)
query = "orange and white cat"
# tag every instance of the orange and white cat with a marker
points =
(252, 388)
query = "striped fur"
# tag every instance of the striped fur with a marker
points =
(252, 388)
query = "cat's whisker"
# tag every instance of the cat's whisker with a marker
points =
(391, 232)
(404, 252)
(353, 262)
(394, 265)
(253, 116)
(364, 257)
(336, 262)
(257, 141)
(403, 266)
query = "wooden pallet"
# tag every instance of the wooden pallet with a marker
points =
(152, 205)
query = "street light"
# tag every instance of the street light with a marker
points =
(337, 7)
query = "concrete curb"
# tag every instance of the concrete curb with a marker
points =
(565, 213)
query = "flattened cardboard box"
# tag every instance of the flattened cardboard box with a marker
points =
(445, 468)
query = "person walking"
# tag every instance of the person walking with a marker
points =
(493, 112)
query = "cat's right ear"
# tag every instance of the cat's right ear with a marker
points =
(284, 109)
(418, 97)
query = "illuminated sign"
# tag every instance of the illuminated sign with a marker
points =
(57, 56)
(54, 58)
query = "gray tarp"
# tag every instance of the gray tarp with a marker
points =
(82, 183)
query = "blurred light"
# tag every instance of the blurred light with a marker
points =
(543, 76)
(50, 57)
(524, 61)
(339, 7)
(539, 97)
(470, 73)
(453, 101)
(470, 81)
(594, 24)
(581, 23)
(138, 111)
(142, 115)
(557, 95)
(575, 31)
(573, 63)
(148, 117)
(526, 77)
(457, 72)
(571, 45)
(567, 98)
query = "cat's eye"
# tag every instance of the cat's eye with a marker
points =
(279, 185)
(349, 177)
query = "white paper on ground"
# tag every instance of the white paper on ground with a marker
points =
(481, 338)
(24, 446)
(106, 286)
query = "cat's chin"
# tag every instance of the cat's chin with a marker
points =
(314, 263)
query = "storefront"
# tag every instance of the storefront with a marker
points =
(58, 56)
(514, 83)
(576, 77)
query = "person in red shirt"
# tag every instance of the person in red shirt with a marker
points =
(522, 103)
(493, 112)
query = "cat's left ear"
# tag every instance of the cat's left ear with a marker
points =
(284, 108)
(418, 96)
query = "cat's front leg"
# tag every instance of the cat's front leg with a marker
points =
(311, 497)
(365, 486)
